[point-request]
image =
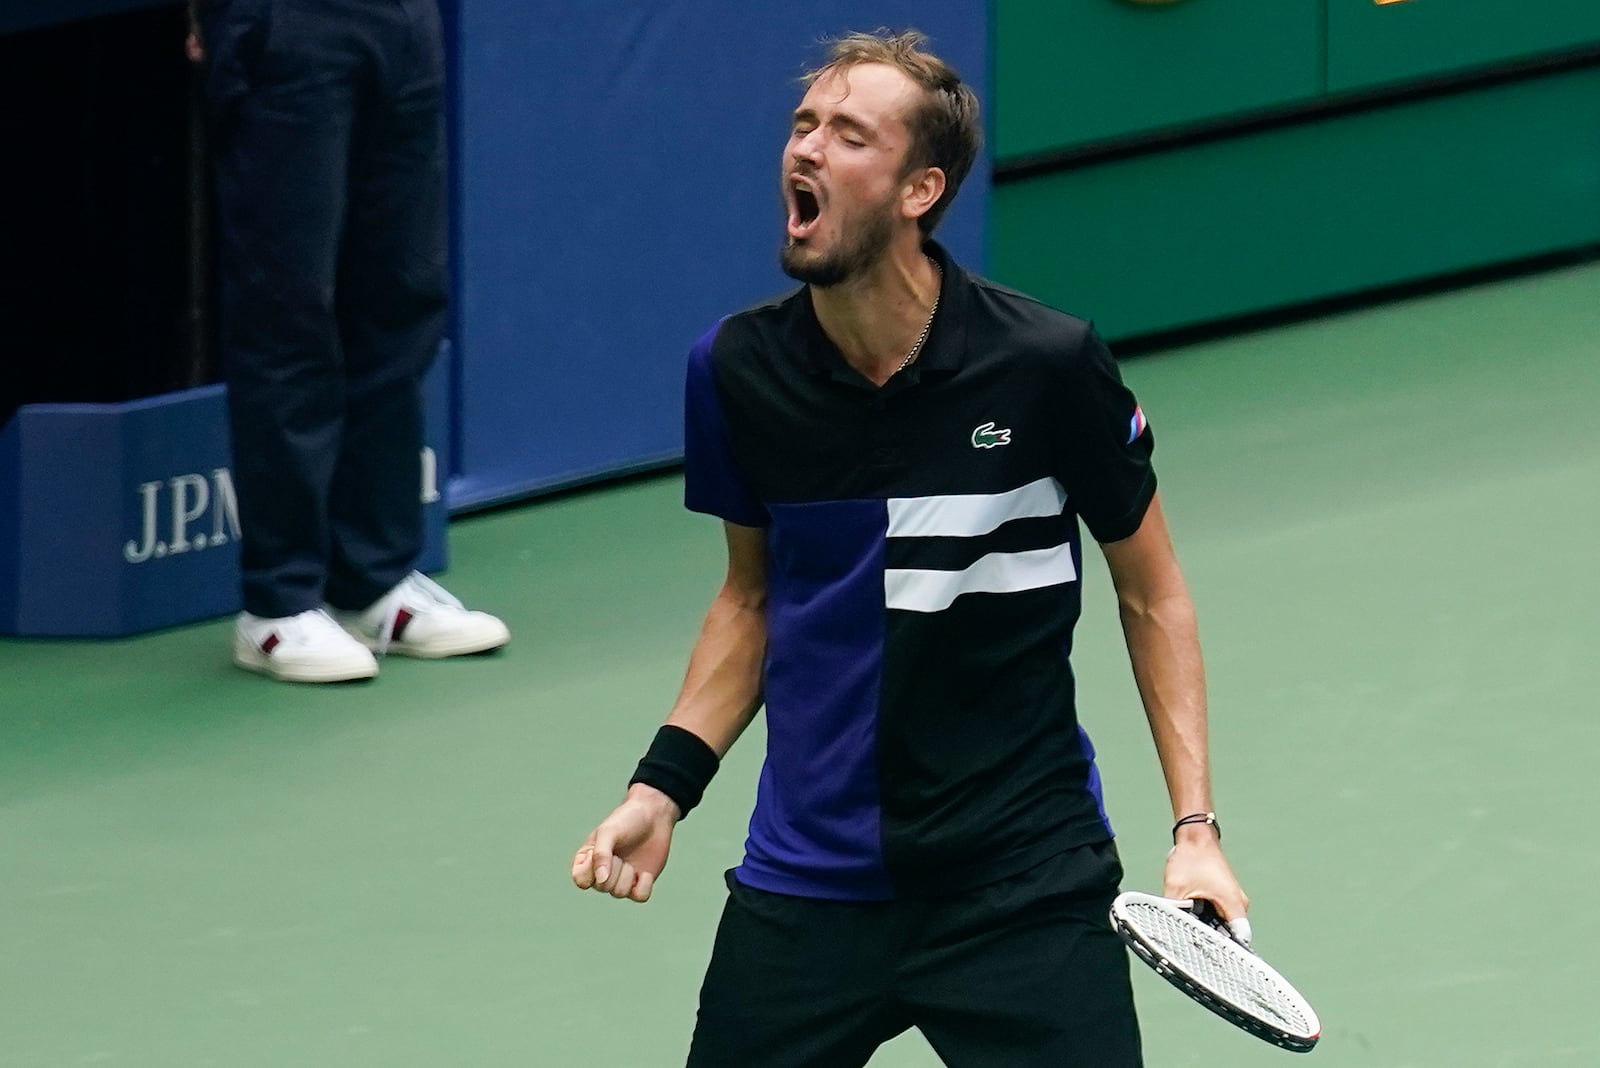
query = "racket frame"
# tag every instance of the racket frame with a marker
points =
(1162, 966)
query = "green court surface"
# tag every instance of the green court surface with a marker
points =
(1389, 519)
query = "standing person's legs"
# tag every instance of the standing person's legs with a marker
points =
(281, 97)
(797, 983)
(392, 307)
(1028, 972)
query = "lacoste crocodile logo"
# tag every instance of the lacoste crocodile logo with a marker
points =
(987, 437)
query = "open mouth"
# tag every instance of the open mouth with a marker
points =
(805, 208)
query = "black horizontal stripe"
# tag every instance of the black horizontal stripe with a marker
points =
(956, 554)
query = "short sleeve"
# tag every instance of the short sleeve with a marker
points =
(1107, 446)
(712, 481)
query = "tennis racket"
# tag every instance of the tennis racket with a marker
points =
(1198, 956)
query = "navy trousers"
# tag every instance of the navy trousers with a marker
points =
(328, 140)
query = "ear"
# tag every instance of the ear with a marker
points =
(921, 192)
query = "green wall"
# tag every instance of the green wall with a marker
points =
(1370, 45)
(1176, 236)
(1069, 71)
(1156, 242)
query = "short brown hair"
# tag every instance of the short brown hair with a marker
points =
(946, 131)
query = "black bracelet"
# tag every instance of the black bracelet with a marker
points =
(680, 764)
(1207, 818)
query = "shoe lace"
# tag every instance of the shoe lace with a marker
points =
(310, 624)
(420, 592)
(427, 589)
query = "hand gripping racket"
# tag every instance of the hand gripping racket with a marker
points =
(1197, 955)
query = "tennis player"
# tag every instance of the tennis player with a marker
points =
(902, 454)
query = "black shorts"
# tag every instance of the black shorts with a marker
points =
(1023, 972)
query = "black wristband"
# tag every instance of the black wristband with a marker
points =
(680, 764)
(1207, 818)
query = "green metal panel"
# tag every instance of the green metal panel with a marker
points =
(1070, 71)
(1371, 44)
(1231, 227)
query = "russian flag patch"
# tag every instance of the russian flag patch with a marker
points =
(1136, 425)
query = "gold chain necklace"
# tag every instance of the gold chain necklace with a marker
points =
(922, 338)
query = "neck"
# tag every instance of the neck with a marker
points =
(876, 317)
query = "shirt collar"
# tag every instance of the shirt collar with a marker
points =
(942, 353)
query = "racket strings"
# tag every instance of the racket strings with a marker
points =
(1228, 971)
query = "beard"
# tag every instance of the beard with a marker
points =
(860, 246)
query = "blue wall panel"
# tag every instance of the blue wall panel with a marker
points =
(617, 192)
(121, 518)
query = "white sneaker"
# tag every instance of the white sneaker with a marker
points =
(309, 647)
(420, 618)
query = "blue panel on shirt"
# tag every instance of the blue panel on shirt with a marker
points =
(816, 829)
(712, 481)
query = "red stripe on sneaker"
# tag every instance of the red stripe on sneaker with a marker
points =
(271, 643)
(401, 618)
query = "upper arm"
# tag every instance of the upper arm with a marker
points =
(1143, 565)
(747, 563)
(1105, 444)
(714, 482)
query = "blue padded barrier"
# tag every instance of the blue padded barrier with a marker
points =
(121, 518)
(617, 176)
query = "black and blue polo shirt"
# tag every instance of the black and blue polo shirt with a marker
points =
(923, 563)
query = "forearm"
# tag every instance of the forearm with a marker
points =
(1158, 622)
(722, 687)
(721, 692)
(1164, 648)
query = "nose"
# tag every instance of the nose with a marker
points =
(806, 147)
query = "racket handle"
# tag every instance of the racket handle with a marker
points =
(1206, 912)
